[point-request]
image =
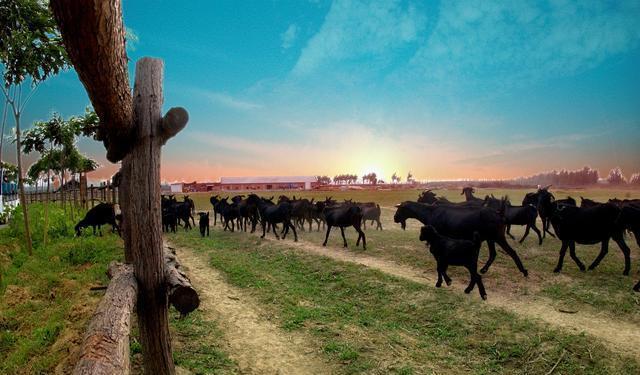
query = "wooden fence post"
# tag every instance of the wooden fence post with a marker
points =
(91, 195)
(139, 192)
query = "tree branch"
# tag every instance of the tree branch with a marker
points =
(94, 37)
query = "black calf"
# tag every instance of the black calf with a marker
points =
(204, 223)
(461, 222)
(448, 251)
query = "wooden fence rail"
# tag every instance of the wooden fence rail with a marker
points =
(80, 197)
(105, 347)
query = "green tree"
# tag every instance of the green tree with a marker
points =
(31, 51)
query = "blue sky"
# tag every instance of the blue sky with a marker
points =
(449, 89)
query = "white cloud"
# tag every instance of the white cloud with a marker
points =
(508, 42)
(289, 36)
(228, 100)
(355, 28)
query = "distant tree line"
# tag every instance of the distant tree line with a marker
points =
(584, 176)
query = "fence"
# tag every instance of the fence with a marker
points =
(82, 197)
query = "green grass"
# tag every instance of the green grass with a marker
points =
(367, 321)
(602, 290)
(46, 300)
(197, 345)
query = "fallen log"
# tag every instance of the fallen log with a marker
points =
(105, 347)
(182, 295)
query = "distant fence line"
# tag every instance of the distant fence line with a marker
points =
(81, 197)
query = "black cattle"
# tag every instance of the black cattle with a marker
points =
(272, 214)
(468, 194)
(103, 213)
(448, 251)
(169, 220)
(343, 216)
(637, 287)
(192, 208)
(542, 200)
(589, 225)
(586, 202)
(461, 223)
(215, 200)
(229, 213)
(429, 197)
(204, 223)
(371, 211)
(516, 215)
(630, 218)
(174, 210)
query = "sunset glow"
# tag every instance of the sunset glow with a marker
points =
(446, 90)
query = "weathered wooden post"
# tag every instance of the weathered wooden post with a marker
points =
(133, 131)
(91, 194)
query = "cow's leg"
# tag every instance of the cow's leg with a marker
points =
(379, 224)
(440, 269)
(548, 225)
(327, 236)
(472, 280)
(361, 235)
(446, 277)
(604, 249)
(509, 232)
(563, 251)
(512, 253)
(273, 226)
(572, 254)
(492, 256)
(285, 228)
(535, 229)
(619, 239)
(295, 234)
(526, 233)
(344, 239)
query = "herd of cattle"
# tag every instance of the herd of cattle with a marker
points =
(454, 230)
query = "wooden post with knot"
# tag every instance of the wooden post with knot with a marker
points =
(133, 130)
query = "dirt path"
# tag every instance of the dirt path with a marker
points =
(255, 343)
(620, 336)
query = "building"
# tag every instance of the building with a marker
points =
(198, 187)
(268, 183)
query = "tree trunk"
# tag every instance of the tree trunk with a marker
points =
(23, 200)
(105, 348)
(140, 205)
(46, 209)
(94, 37)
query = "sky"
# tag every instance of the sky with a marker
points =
(444, 89)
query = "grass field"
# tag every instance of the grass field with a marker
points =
(356, 318)
(367, 321)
